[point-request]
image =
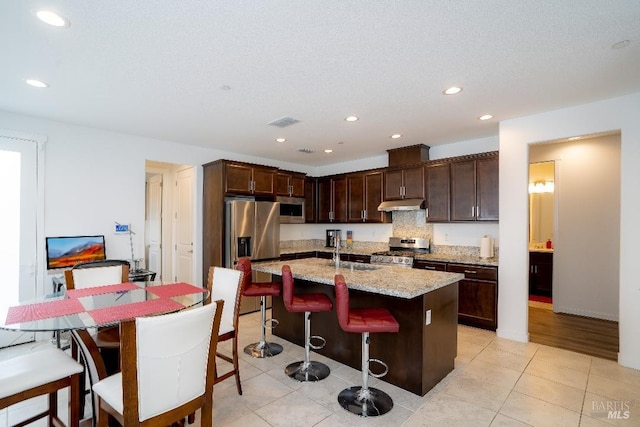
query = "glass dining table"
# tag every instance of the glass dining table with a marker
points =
(77, 310)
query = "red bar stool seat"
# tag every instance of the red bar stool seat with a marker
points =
(364, 400)
(262, 348)
(308, 303)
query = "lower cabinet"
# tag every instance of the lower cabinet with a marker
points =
(477, 292)
(541, 273)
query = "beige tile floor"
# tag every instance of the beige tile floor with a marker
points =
(496, 382)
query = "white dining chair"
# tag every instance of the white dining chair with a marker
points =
(167, 369)
(41, 372)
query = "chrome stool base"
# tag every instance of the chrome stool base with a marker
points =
(260, 350)
(365, 403)
(307, 372)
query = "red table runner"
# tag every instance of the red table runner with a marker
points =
(136, 309)
(99, 290)
(174, 290)
(43, 310)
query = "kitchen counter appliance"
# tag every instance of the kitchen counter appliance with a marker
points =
(401, 251)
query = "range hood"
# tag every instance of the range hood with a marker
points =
(402, 205)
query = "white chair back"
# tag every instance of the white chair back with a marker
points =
(96, 276)
(226, 286)
(172, 353)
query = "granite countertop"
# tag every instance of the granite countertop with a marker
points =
(441, 257)
(394, 281)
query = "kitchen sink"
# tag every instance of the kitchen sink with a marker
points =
(357, 266)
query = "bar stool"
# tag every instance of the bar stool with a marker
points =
(308, 303)
(263, 348)
(363, 400)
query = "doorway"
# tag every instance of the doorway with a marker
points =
(169, 221)
(585, 243)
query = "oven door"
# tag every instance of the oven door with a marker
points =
(291, 210)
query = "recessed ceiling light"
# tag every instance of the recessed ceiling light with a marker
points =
(36, 83)
(485, 117)
(452, 90)
(622, 44)
(351, 118)
(573, 138)
(280, 140)
(396, 136)
(328, 150)
(52, 18)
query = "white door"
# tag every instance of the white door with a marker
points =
(18, 244)
(154, 225)
(184, 226)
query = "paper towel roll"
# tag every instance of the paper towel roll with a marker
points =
(486, 247)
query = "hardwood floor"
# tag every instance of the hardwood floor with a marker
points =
(585, 335)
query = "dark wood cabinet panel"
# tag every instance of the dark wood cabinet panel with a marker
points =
(474, 189)
(290, 184)
(437, 201)
(325, 202)
(340, 199)
(430, 265)
(487, 171)
(332, 199)
(364, 195)
(477, 295)
(249, 179)
(463, 191)
(405, 183)
(310, 200)
(355, 200)
(541, 273)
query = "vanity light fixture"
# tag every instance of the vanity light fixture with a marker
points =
(485, 117)
(452, 90)
(52, 18)
(574, 138)
(36, 83)
(541, 187)
(328, 150)
(396, 136)
(351, 118)
(280, 139)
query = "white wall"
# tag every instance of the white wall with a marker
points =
(515, 136)
(587, 248)
(94, 178)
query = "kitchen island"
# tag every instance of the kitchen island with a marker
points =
(419, 356)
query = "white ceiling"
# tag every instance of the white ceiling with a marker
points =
(158, 68)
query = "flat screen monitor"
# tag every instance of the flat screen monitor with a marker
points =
(67, 251)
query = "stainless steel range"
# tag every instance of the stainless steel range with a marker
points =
(401, 251)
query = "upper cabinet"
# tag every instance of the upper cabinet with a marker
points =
(364, 194)
(404, 183)
(332, 199)
(474, 189)
(244, 178)
(290, 184)
(310, 200)
(438, 188)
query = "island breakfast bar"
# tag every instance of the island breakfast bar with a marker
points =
(425, 304)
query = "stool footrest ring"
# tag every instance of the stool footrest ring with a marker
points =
(323, 342)
(379, 362)
(271, 323)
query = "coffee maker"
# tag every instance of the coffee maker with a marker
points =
(330, 241)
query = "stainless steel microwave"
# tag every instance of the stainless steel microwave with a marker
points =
(291, 210)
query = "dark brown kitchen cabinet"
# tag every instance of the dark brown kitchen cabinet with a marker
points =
(244, 178)
(310, 200)
(474, 189)
(437, 193)
(290, 184)
(430, 265)
(297, 255)
(541, 273)
(364, 194)
(404, 183)
(477, 295)
(332, 199)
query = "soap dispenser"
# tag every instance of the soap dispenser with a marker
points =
(549, 244)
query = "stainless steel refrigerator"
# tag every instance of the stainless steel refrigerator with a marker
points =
(252, 229)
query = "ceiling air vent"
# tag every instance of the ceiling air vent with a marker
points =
(305, 150)
(284, 122)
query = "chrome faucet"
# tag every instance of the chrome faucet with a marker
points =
(336, 252)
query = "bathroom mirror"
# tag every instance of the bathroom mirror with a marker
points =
(541, 199)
